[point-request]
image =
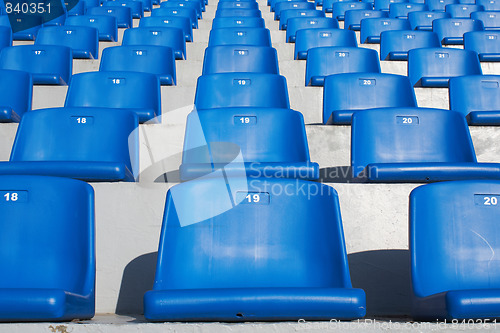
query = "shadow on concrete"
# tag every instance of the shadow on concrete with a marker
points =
(384, 275)
(138, 277)
(339, 174)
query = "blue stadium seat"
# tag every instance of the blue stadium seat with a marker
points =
(75, 7)
(297, 23)
(477, 97)
(170, 37)
(267, 232)
(258, 90)
(139, 92)
(83, 41)
(182, 23)
(339, 8)
(485, 43)
(414, 145)
(50, 280)
(327, 5)
(123, 15)
(179, 11)
(439, 5)
(232, 12)
(185, 4)
(47, 64)
(238, 5)
(147, 5)
(491, 20)
(385, 4)
(260, 141)
(371, 28)
(56, 15)
(240, 36)
(395, 44)
(5, 37)
(462, 10)
(15, 95)
(106, 25)
(344, 94)
(24, 27)
(158, 60)
(453, 241)
(274, 3)
(238, 22)
(352, 18)
(489, 5)
(285, 5)
(91, 144)
(240, 58)
(90, 4)
(307, 39)
(423, 20)
(293, 13)
(401, 10)
(330, 60)
(199, 3)
(433, 67)
(135, 6)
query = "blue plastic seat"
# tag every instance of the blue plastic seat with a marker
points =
(182, 23)
(344, 94)
(158, 60)
(485, 43)
(371, 28)
(24, 27)
(258, 142)
(491, 20)
(15, 95)
(232, 12)
(135, 6)
(394, 45)
(285, 5)
(56, 15)
(91, 144)
(385, 4)
(227, 90)
(453, 241)
(123, 15)
(199, 3)
(75, 7)
(489, 5)
(274, 3)
(293, 13)
(139, 92)
(235, 22)
(106, 25)
(297, 23)
(330, 60)
(439, 5)
(47, 64)
(237, 5)
(327, 5)
(240, 36)
(433, 67)
(83, 41)
(5, 37)
(49, 280)
(239, 58)
(170, 37)
(401, 10)
(423, 20)
(183, 4)
(477, 97)
(339, 8)
(414, 145)
(178, 11)
(462, 10)
(352, 18)
(267, 233)
(90, 4)
(307, 39)
(147, 5)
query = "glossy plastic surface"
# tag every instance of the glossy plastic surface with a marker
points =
(178, 11)
(491, 20)
(284, 5)
(401, 10)
(240, 58)
(105, 25)
(395, 44)
(297, 23)
(135, 6)
(371, 28)
(123, 15)
(235, 22)
(83, 41)
(292, 13)
(423, 20)
(16, 90)
(352, 18)
(318, 37)
(451, 30)
(159, 36)
(339, 8)
(485, 43)
(240, 36)
(182, 23)
(462, 10)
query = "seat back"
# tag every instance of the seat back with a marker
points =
(401, 10)
(240, 36)
(178, 11)
(183, 4)
(385, 4)
(5, 37)
(232, 12)
(23, 26)
(489, 5)
(475, 93)
(451, 30)
(106, 25)
(485, 43)
(423, 20)
(395, 44)
(122, 14)
(307, 39)
(291, 5)
(352, 18)
(339, 8)
(16, 90)
(182, 23)
(439, 5)
(462, 10)
(297, 23)
(238, 5)
(235, 22)
(285, 15)
(240, 58)
(491, 20)
(135, 6)
(83, 41)
(371, 28)
(159, 36)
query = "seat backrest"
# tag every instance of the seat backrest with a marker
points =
(232, 12)
(395, 44)
(240, 58)
(291, 5)
(139, 92)
(35, 211)
(423, 20)
(352, 18)
(489, 5)
(238, 5)
(475, 93)
(285, 15)
(241, 90)
(462, 10)
(439, 5)
(123, 14)
(371, 28)
(491, 20)
(385, 4)
(454, 236)
(135, 6)
(184, 4)
(240, 36)
(178, 11)
(297, 23)
(302, 230)
(180, 22)
(160, 36)
(401, 10)
(483, 42)
(23, 26)
(79, 39)
(5, 37)
(339, 8)
(409, 135)
(106, 25)
(16, 90)
(454, 27)
(317, 37)
(235, 22)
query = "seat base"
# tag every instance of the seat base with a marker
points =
(489, 57)
(7, 115)
(487, 118)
